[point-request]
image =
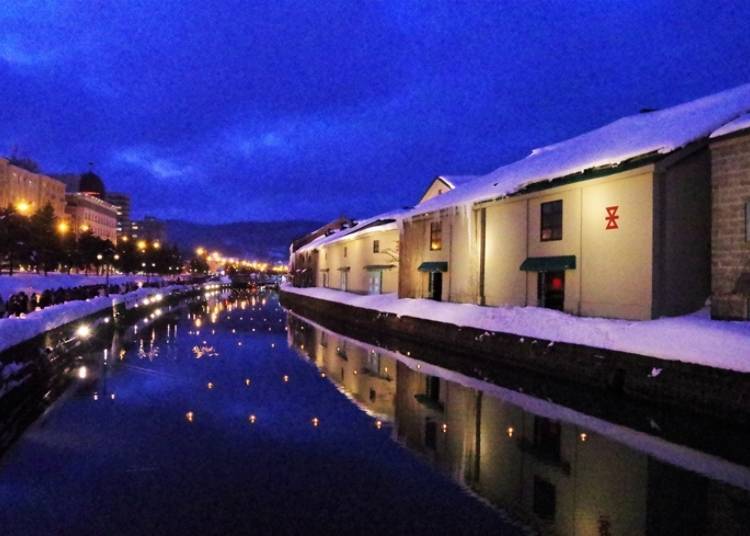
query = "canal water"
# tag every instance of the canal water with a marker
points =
(230, 416)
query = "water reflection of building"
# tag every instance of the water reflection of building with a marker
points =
(564, 478)
(366, 373)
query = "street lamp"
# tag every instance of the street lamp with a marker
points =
(23, 207)
(63, 228)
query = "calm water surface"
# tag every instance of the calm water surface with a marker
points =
(232, 417)
(210, 424)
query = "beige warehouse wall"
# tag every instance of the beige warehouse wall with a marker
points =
(359, 253)
(505, 250)
(616, 264)
(569, 245)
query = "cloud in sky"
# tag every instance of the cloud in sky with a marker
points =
(248, 110)
(147, 160)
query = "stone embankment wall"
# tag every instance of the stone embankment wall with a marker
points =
(538, 365)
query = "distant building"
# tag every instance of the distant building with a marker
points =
(122, 202)
(149, 228)
(730, 229)
(88, 212)
(28, 191)
(86, 183)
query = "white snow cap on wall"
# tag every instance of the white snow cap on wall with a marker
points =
(458, 180)
(741, 123)
(386, 221)
(660, 132)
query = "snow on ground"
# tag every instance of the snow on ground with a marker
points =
(15, 330)
(694, 338)
(31, 282)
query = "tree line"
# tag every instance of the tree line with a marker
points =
(41, 242)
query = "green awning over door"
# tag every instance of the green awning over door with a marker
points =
(549, 264)
(433, 267)
(378, 267)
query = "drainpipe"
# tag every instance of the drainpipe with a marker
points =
(482, 253)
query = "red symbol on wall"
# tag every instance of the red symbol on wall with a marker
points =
(612, 218)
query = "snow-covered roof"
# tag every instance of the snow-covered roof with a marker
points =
(659, 132)
(454, 181)
(741, 123)
(387, 221)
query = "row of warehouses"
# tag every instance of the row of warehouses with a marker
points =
(647, 216)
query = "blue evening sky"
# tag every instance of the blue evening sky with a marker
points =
(225, 110)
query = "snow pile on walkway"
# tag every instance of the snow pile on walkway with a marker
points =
(15, 330)
(32, 282)
(692, 338)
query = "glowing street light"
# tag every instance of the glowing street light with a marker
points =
(142, 245)
(63, 228)
(23, 207)
(156, 245)
(85, 228)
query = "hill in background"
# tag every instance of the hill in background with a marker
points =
(247, 239)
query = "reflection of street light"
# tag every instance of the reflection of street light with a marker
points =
(83, 331)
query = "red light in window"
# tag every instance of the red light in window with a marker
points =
(557, 283)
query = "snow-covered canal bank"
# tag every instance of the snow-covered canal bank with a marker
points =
(692, 339)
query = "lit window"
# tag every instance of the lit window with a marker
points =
(376, 246)
(551, 228)
(436, 236)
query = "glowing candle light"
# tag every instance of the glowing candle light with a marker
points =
(189, 416)
(247, 382)
(210, 385)
(510, 431)
(315, 422)
(445, 428)
(583, 437)
(378, 424)
(286, 378)
(252, 419)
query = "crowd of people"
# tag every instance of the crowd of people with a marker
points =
(22, 303)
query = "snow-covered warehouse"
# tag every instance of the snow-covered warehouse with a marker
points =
(615, 222)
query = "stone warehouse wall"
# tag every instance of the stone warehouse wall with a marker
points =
(730, 247)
